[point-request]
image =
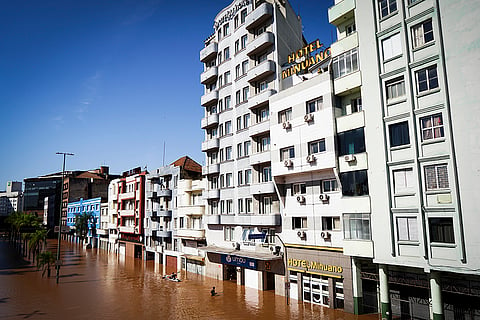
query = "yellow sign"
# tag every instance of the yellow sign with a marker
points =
(304, 58)
(314, 265)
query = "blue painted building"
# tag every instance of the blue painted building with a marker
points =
(88, 206)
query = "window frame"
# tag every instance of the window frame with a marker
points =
(431, 81)
(419, 34)
(318, 143)
(363, 230)
(432, 128)
(439, 184)
(399, 134)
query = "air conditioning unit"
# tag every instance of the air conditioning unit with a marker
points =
(288, 163)
(301, 199)
(349, 158)
(325, 235)
(308, 117)
(286, 125)
(311, 158)
(275, 250)
(236, 245)
(301, 234)
(324, 197)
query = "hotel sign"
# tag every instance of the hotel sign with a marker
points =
(239, 261)
(314, 265)
(306, 57)
(230, 14)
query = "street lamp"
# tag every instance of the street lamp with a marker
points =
(57, 263)
(287, 282)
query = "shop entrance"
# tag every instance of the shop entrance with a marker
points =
(315, 289)
(229, 272)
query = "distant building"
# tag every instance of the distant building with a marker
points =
(37, 190)
(11, 199)
(90, 207)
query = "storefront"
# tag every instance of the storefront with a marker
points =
(193, 264)
(320, 275)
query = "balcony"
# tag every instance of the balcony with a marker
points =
(260, 98)
(127, 229)
(195, 210)
(252, 220)
(209, 98)
(164, 193)
(209, 75)
(210, 144)
(151, 194)
(210, 121)
(345, 44)
(344, 84)
(211, 194)
(262, 188)
(126, 213)
(260, 43)
(162, 213)
(126, 195)
(259, 15)
(209, 52)
(212, 219)
(161, 234)
(190, 233)
(341, 11)
(259, 128)
(102, 232)
(260, 157)
(261, 71)
(211, 169)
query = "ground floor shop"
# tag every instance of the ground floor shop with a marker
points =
(130, 249)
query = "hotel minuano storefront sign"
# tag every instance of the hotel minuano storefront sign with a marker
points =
(304, 58)
(309, 265)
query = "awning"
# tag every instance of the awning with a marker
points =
(241, 253)
(192, 257)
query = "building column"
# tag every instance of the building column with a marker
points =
(384, 292)
(436, 294)
(357, 287)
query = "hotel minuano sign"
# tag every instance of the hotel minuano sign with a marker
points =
(305, 57)
(314, 265)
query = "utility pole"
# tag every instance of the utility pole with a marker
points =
(57, 263)
(285, 259)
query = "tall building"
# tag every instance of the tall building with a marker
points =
(40, 189)
(173, 215)
(413, 63)
(242, 60)
(11, 199)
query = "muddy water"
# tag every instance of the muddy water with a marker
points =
(98, 285)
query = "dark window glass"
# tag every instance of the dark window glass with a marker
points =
(441, 230)
(351, 142)
(354, 183)
(399, 134)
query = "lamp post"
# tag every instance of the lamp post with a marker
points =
(287, 282)
(57, 263)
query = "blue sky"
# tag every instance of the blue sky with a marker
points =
(109, 81)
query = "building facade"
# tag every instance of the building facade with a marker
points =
(11, 199)
(242, 60)
(90, 208)
(408, 58)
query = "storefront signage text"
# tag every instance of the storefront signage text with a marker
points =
(314, 265)
(239, 261)
(304, 58)
(230, 14)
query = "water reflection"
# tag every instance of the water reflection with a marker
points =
(98, 285)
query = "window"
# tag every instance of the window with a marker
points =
(228, 153)
(219, 34)
(228, 180)
(261, 57)
(345, 63)
(262, 115)
(316, 146)
(239, 123)
(407, 229)
(314, 105)
(299, 222)
(222, 207)
(248, 205)
(239, 150)
(356, 226)
(261, 86)
(226, 29)
(228, 233)
(237, 71)
(219, 58)
(299, 188)
(238, 97)
(220, 105)
(395, 89)
(240, 178)
(214, 207)
(228, 127)
(285, 115)
(329, 185)
(266, 205)
(229, 204)
(227, 77)
(243, 15)
(351, 142)
(331, 223)
(227, 102)
(392, 47)
(399, 135)
(356, 104)
(441, 230)
(266, 174)
(387, 7)
(248, 176)
(237, 46)
(287, 153)
(422, 33)
(220, 81)
(432, 127)
(220, 130)
(403, 181)
(226, 54)
(245, 92)
(354, 183)
(243, 42)
(240, 206)
(436, 177)
(246, 148)
(427, 79)
(244, 66)
(260, 30)
(246, 120)
(235, 22)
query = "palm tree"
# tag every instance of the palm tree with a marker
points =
(44, 261)
(21, 224)
(37, 241)
(81, 225)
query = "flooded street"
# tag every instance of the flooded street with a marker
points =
(98, 285)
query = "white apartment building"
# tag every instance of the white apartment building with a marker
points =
(412, 61)
(242, 61)
(173, 216)
(103, 232)
(11, 199)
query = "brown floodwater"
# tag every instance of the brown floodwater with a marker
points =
(97, 285)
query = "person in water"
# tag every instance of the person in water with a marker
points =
(173, 276)
(213, 292)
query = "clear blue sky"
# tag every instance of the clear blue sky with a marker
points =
(109, 81)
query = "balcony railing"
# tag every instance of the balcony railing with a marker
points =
(209, 52)
(209, 98)
(260, 43)
(209, 75)
(210, 121)
(210, 144)
(260, 71)
(259, 15)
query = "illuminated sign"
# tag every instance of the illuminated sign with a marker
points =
(230, 14)
(314, 265)
(305, 58)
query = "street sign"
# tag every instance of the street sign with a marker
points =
(253, 236)
(65, 229)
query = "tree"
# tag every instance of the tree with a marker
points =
(22, 224)
(81, 225)
(44, 261)
(37, 241)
